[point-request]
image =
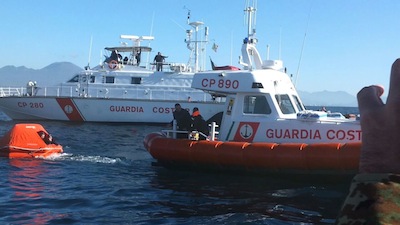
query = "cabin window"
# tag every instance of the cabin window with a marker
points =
(256, 105)
(285, 104)
(75, 79)
(298, 104)
(84, 79)
(110, 80)
(136, 80)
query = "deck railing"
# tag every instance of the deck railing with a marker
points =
(111, 92)
(11, 91)
(193, 135)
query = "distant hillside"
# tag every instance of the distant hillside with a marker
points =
(328, 98)
(62, 71)
(52, 74)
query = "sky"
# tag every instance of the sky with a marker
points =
(336, 45)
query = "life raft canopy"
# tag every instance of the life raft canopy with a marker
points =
(24, 136)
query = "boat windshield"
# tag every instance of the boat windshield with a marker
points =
(300, 106)
(256, 105)
(285, 104)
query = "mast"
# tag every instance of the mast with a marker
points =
(197, 43)
(196, 25)
(251, 31)
(250, 57)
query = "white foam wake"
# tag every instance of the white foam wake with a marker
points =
(83, 158)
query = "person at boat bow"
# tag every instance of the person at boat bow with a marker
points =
(199, 124)
(374, 193)
(183, 120)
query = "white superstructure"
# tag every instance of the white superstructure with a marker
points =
(123, 88)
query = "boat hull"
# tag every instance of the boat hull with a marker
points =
(300, 158)
(98, 109)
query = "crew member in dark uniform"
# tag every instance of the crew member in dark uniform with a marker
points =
(138, 56)
(199, 124)
(183, 120)
(159, 60)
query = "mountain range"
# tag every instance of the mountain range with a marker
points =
(62, 71)
(328, 98)
(50, 75)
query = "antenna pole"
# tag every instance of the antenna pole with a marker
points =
(151, 34)
(231, 45)
(302, 48)
(280, 43)
(196, 48)
(90, 51)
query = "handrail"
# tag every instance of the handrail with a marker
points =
(173, 133)
(11, 91)
(123, 92)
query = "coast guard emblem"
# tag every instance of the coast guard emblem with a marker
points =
(68, 109)
(246, 131)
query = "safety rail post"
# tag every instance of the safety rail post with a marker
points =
(174, 127)
(213, 132)
(20, 92)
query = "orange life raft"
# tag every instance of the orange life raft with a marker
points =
(23, 141)
(332, 158)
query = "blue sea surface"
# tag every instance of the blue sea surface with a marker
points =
(106, 176)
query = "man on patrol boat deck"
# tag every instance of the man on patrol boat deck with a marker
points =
(183, 120)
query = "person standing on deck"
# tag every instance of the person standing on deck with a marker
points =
(183, 120)
(159, 60)
(199, 124)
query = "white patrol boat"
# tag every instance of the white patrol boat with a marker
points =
(263, 106)
(264, 125)
(123, 88)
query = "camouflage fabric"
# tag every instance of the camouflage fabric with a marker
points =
(373, 199)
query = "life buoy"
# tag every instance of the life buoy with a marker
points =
(113, 64)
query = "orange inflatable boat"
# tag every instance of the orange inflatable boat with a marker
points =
(322, 158)
(25, 141)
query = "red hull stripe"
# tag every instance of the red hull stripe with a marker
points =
(70, 109)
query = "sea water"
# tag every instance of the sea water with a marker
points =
(105, 176)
